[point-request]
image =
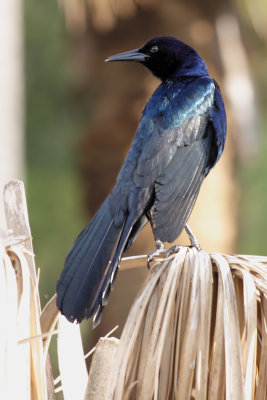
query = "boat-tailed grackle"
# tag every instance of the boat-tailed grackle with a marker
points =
(180, 137)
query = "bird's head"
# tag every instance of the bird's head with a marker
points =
(166, 57)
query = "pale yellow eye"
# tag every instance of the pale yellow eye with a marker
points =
(154, 49)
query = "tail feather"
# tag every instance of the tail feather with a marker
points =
(86, 265)
(110, 276)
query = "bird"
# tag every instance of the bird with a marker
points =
(180, 137)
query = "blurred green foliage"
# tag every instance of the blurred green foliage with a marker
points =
(51, 137)
(253, 201)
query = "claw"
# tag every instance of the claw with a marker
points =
(149, 259)
(160, 249)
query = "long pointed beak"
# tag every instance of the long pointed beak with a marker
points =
(133, 55)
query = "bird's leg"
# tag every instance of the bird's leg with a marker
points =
(192, 238)
(194, 242)
(160, 249)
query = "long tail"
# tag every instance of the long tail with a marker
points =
(86, 274)
(110, 276)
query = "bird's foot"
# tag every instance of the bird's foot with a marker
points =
(160, 249)
(173, 250)
(192, 238)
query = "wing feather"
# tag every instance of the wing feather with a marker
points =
(177, 191)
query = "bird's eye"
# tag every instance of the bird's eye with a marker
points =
(154, 49)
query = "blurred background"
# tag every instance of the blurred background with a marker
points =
(68, 119)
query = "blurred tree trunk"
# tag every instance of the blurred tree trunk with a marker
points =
(118, 94)
(11, 94)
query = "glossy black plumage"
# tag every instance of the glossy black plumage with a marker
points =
(180, 137)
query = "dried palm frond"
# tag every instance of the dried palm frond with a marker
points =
(22, 360)
(197, 329)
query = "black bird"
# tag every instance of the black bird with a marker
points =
(180, 137)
